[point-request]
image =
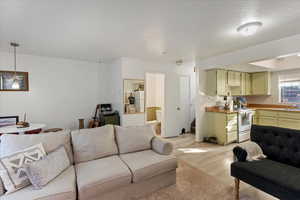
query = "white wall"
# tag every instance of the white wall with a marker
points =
(114, 84)
(135, 69)
(61, 90)
(154, 89)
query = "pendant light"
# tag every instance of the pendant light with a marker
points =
(15, 84)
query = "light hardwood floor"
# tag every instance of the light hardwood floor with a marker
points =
(204, 174)
(214, 160)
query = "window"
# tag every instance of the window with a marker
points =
(290, 91)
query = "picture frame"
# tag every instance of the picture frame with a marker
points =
(7, 78)
(8, 121)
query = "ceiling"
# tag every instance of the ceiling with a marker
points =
(246, 68)
(98, 30)
(280, 63)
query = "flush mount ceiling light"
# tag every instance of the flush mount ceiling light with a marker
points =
(249, 28)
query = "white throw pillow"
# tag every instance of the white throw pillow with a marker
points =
(11, 172)
(134, 138)
(94, 143)
(254, 152)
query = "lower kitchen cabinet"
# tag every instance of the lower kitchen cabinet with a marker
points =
(268, 121)
(231, 137)
(282, 119)
(223, 126)
(289, 123)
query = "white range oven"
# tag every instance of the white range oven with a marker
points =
(244, 124)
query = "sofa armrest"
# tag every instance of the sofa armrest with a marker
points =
(161, 147)
(1, 188)
(239, 154)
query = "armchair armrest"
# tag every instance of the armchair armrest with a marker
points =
(161, 147)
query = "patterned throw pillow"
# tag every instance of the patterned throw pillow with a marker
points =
(41, 172)
(13, 175)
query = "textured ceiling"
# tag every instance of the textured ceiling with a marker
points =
(104, 29)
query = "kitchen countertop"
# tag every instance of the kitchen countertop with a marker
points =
(277, 109)
(268, 107)
(218, 110)
(274, 107)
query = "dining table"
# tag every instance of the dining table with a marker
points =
(16, 129)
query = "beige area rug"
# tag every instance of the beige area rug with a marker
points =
(204, 174)
(193, 184)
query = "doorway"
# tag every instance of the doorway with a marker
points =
(155, 101)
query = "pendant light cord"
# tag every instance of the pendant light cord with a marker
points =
(15, 45)
(15, 58)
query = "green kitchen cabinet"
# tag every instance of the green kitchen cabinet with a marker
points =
(268, 121)
(261, 83)
(236, 90)
(223, 126)
(289, 123)
(216, 82)
(278, 118)
(289, 120)
(234, 79)
(226, 82)
(247, 84)
(243, 84)
(267, 117)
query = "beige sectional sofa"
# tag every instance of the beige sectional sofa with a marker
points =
(109, 163)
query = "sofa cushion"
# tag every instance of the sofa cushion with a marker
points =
(270, 176)
(98, 176)
(62, 187)
(90, 144)
(146, 164)
(134, 138)
(12, 143)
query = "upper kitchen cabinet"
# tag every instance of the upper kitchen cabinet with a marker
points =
(261, 83)
(234, 79)
(244, 88)
(246, 84)
(216, 82)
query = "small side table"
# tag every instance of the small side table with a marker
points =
(15, 129)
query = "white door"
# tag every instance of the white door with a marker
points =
(177, 108)
(184, 102)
